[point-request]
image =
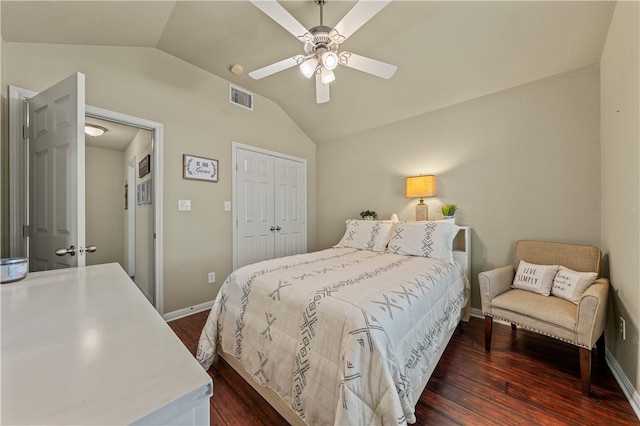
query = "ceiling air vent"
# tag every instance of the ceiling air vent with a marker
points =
(240, 97)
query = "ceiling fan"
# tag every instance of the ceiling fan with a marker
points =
(322, 45)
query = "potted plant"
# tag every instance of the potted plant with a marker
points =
(368, 215)
(448, 210)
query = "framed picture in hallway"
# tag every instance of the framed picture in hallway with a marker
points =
(143, 193)
(144, 167)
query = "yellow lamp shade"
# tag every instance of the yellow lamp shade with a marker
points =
(421, 186)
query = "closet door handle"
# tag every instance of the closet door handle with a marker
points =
(273, 228)
(278, 228)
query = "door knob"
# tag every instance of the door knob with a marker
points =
(273, 228)
(278, 228)
(91, 249)
(63, 251)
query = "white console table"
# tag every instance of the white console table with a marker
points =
(84, 346)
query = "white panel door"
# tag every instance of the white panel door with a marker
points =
(290, 207)
(255, 207)
(56, 175)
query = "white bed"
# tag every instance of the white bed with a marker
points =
(344, 335)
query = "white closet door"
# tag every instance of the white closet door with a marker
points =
(290, 207)
(255, 207)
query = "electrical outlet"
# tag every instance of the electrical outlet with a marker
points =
(623, 328)
(212, 277)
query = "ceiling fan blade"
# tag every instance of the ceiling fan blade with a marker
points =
(359, 14)
(274, 68)
(368, 65)
(322, 90)
(275, 11)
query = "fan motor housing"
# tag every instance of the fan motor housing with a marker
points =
(321, 38)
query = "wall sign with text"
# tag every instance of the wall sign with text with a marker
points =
(200, 168)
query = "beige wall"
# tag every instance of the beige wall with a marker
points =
(620, 133)
(523, 163)
(104, 205)
(140, 146)
(198, 119)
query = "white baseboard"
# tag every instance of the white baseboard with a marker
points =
(181, 313)
(625, 384)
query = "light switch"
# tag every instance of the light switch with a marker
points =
(184, 205)
(227, 206)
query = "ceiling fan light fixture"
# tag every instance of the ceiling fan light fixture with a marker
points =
(94, 130)
(322, 44)
(309, 66)
(329, 60)
(327, 76)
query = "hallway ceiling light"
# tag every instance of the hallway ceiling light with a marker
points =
(94, 130)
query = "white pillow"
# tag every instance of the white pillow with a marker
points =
(427, 239)
(569, 284)
(366, 234)
(535, 278)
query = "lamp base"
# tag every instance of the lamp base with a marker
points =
(422, 211)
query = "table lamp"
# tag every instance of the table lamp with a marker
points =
(421, 187)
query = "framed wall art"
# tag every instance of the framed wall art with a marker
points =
(200, 168)
(139, 194)
(147, 191)
(144, 167)
(143, 192)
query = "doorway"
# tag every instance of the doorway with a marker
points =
(118, 221)
(18, 186)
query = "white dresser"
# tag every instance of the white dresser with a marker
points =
(84, 346)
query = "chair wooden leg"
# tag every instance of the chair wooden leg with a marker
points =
(513, 327)
(585, 370)
(488, 326)
(601, 352)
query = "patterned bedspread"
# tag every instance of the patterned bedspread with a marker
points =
(342, 335)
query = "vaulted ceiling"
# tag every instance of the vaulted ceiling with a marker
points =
(446, 51)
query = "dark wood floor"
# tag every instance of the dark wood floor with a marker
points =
(525, 379)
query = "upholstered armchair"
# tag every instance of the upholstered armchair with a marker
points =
(580, 321)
